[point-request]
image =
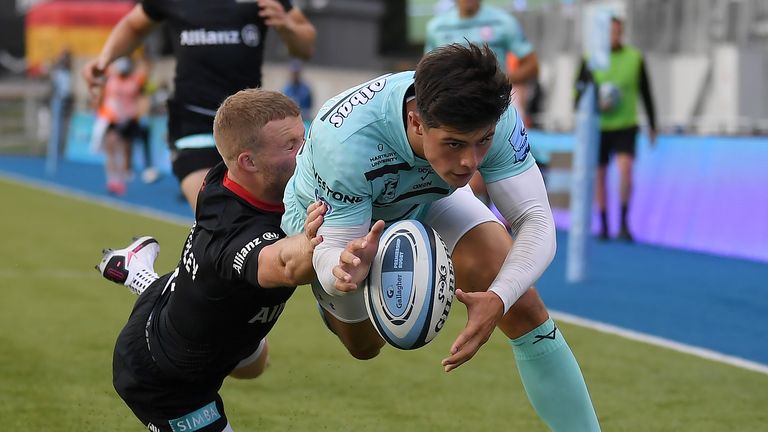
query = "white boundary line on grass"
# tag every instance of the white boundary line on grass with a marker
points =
(561, 316)
(111, 203)
(661, 342)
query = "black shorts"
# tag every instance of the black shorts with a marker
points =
(128, 130)
(186, 161)
(616, 141)
(182, 123)
(159, 398)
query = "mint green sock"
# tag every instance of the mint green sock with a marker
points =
(553, 380)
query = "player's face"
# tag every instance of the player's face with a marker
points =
(468, 7)
(617, 29)
(455, 155)
(281, 140)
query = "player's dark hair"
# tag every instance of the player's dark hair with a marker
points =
(461, 87)
(240, 118)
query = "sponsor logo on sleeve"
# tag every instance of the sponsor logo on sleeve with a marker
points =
(520, 145)
(240, 257)
(270, 236)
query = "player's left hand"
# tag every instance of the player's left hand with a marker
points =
(273, 13)
(484, 310)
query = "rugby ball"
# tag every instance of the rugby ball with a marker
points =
(410, 286)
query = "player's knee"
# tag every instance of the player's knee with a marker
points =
(477, 267)
(361, 340)
(251, 371)
(365, 351)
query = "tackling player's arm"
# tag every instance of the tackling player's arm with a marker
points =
(127, 35)
(295, 30)
(288, 261)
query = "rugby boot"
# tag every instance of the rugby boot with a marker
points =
(132, 266)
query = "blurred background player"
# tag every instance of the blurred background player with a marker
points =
(473, 21)
(61, 100)
(298, 90)
(119, 109)
(219, 49)
(618, 89)
(209, 318)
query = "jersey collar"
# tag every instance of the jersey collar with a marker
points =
(252, 200)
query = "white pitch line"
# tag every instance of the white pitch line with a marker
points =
(661, 342)
(565, 317)
(107, 202)
(46, 274)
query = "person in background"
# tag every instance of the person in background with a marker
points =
(120, 109)
(219, 49)
(619, 87)
(475, 22)
(61, 100)
(298, 90)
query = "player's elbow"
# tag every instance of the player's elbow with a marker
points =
(550, 238)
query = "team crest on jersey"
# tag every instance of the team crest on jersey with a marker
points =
(520, 145)
(390, 189)
(486, 32)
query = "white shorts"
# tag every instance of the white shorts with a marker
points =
(452, 217)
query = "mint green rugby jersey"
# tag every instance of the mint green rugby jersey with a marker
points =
(357, 160)
(490, 25)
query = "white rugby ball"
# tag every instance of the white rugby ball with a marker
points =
(410, 286)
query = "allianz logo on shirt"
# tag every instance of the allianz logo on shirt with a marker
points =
(249, 35)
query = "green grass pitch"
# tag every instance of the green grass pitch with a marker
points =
(59, 320)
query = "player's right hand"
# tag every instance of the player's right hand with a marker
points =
(355, 260)
(94, 74)
(484, 310)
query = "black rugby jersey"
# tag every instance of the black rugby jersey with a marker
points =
(213, 313)
(218, 45)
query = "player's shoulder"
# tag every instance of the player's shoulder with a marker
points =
(447, 17)
(363, 106)
(509, 121)
(489, 10)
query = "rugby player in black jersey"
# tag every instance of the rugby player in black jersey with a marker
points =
(208, 319)
(219, 48)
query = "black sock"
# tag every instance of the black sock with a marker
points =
(604, 222)
(624, 212)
